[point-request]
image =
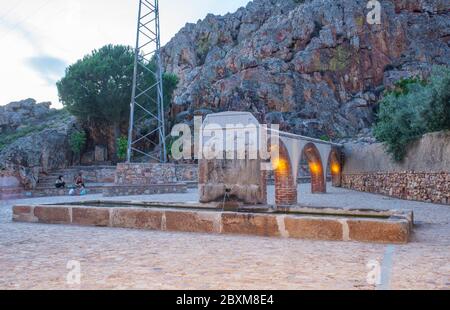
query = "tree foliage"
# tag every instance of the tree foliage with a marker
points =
(98, 87)
(413, 108)
(437, 112)
(77, 141)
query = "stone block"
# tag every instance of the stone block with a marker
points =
(52, 215)
(100, 153)
(24, 214)
(379, 231)
(137, 218)
(314, 228)
(250, 224)
(90, 216)
(18, 210)
(199, 222)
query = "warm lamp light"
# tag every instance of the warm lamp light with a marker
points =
(279, 164)
(315, 168)
(335, 168)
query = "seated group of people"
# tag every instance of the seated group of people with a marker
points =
(79, 182)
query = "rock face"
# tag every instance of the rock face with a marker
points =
(316, 67)
(101, 136)
(14, 115)
(43, 148)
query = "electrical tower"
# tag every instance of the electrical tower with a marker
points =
(147, 107)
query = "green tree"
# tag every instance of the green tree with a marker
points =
(170, 83)
(98, 87)
(412, 109)
(399, 124)
(437, 112)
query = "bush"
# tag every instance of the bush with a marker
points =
(437, 111)
(412, 109)
(325, 138)
(77, 141)
(122, 148)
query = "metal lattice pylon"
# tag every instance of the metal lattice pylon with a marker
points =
(145, 108)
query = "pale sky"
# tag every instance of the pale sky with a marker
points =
(39, 38)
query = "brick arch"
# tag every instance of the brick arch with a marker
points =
(312, 155)
(285, 183)
(335, 167)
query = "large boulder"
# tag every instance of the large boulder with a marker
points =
(43, 148)
(39, 152)
(318, 63)
(25, 112)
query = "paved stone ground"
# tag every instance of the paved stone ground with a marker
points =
(35, 256)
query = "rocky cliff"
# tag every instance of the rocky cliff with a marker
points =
(33, 139)
(317, 67)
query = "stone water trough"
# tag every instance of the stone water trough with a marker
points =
(329, 224)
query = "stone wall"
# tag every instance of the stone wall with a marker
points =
(419, 186)
(91, 174)
(424, 174)
(186, 172)
(8, 179)
(149, 174)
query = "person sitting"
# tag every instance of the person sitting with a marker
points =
(60, 182)
(83, 191)
(79, 182)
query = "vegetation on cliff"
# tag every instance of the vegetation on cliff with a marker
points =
(413, 108)
(77, 142)
(49, 119)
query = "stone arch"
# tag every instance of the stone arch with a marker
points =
(316, 168)
(335, 167)
(285, 183)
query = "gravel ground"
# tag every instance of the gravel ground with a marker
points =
(35, 256)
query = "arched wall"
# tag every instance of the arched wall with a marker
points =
(316, 167)
(285, 183)
(335, 165)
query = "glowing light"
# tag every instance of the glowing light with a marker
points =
(315, 168)
(335, 168)
(279, 164)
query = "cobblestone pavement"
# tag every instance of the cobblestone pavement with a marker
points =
(35, 256)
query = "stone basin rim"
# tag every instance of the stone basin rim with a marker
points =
(395, 229)
(259, 209)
